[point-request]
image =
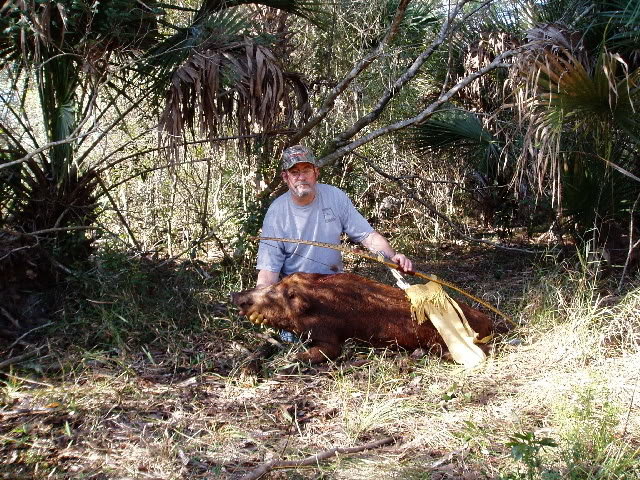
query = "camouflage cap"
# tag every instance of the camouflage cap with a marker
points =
(297, 154)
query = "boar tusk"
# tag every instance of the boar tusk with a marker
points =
(257, 318)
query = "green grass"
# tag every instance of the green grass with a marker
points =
(127, 302)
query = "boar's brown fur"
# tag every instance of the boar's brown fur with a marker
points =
(333, 308)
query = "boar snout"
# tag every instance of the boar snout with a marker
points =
(241, 301)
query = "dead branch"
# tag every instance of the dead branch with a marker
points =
(117, 121)
(44, 148)
(27, 411)
(140, 153)
(123, 220)
(314, 459)
(448, 457)
(46, 230)
(19, 116)
(19, 339)
(630, 409)
(205, 237)
(10, 317)
(498, 62)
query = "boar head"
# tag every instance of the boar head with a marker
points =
(278, 305)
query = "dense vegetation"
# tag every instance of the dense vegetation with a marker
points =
(496, 143)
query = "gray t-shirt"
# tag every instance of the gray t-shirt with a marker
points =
(329, 215)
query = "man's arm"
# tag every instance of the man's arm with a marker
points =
(378, 244)
(266, 278)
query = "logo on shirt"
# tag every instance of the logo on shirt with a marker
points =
(329, 216)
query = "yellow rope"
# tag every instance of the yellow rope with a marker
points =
(393, 265)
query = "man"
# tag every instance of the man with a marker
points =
(312, 211)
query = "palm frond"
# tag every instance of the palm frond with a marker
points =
(31, 31)
(418, 18)
(625, 12)
(458, 130)
(450, 128)
(240, 84)
(312, 11)
(595, 192)
(581, 111)
(218, 30)
(620, 21)
(602, 98)
(559, 12)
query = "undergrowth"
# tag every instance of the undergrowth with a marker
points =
(154, 385)
(131, 301)
(580, 312)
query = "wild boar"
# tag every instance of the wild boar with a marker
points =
(330, 309)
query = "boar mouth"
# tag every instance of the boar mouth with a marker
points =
(248, 309)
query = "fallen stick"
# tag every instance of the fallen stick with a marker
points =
(19, 358)
(27, 411)
(28, 333)
(448, 457)
(314, 459)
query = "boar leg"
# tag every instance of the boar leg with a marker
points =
(320, 352)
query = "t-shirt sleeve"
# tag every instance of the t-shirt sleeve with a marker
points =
(270, 253)
(353, 223)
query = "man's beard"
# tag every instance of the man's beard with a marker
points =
(302, 190)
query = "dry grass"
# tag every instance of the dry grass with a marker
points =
(191, 411)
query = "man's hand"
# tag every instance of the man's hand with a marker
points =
(378, 244)
(403, 262)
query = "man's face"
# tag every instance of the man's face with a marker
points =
(301, 179)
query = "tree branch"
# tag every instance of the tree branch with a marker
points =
(47, 230)
(206, 236)
(25, 127)
(329, 102)
(42, 149)
(194, 142)
(19, 339)
(446, 30)
(20, 358)
(123, 220)
(422, 116)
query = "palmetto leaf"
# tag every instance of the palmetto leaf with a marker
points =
(217, 30)
(310, 10)
(621, 18)
(241, 83)
(596, 100)
(583, 121)
(593, 191)
(219, 78)
(452, 129)
(30, 29)
(460, 131)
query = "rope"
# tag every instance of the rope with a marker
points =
(384, 261)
